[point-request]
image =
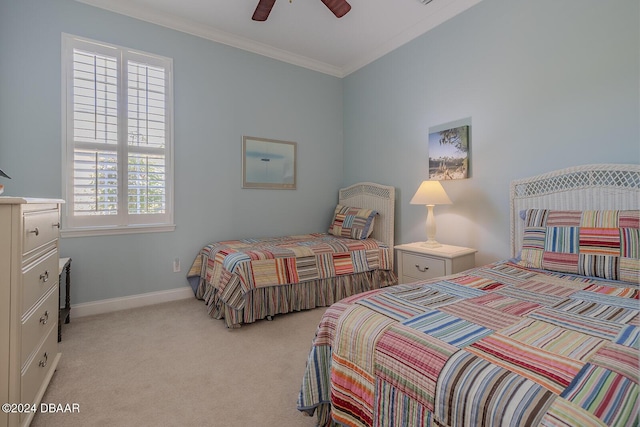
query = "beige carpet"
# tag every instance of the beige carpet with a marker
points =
(172, 365)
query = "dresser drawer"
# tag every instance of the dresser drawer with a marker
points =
(40, 227)
(36, 371)
(421, 267)
(39, 278)
(38, 322)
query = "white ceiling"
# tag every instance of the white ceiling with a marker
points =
(301, 32)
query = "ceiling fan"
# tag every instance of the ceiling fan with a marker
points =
(338, 7)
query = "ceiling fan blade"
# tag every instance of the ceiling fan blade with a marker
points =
(338, 7)
(262, 10)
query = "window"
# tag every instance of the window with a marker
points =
(117, 136)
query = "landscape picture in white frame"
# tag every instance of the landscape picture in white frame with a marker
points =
(268, 163)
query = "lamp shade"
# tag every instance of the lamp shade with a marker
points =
(430, 193)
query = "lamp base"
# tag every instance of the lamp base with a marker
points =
(431, 244)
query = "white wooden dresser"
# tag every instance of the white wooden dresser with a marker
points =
(29, 230)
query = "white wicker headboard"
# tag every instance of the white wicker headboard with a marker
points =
(382, 198)
(589, 187)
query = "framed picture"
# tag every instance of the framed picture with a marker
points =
(449, 153)
(268, 163)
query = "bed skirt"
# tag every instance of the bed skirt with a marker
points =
(269, 301)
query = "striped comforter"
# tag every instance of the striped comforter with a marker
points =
(231, 269)
(496, 345)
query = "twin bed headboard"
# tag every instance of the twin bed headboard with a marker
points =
(589, 187)
(369, 195)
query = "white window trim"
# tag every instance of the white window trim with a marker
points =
(71, 227)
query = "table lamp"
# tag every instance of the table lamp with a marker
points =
(430, 193)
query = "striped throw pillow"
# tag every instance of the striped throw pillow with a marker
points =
(604, 244)
(353, 223)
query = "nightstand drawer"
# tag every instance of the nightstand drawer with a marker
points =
(422, 267)
(416, 261)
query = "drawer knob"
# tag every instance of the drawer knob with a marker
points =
(43, 363)
(45, 276)
(35, 231)
(422, 270)
(45, 318)
(57, 225)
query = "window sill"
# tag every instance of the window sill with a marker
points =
(110, 231)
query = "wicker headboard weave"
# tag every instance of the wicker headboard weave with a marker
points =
(369, 195)
(589, 187)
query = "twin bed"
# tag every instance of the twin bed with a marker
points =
(246, 280)
(549, 337)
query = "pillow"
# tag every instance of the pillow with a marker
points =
(602, 244)
(354, 223)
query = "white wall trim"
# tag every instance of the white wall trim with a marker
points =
(106, 231)
(444, 12)
(206, 32)
(133, 301)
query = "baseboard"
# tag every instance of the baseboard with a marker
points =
(133, 301)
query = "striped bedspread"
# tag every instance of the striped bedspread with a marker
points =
(231, 269)
(499, 345)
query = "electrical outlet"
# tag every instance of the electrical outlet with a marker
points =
(176, 265)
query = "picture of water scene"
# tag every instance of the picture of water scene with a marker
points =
(449, 154)
(268, 163)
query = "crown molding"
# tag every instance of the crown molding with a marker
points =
(209, 33)
(444, 12)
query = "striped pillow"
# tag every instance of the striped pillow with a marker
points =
(354, 223)
(601, 244)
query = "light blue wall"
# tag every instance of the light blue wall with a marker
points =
(546, 84)
(221, 93)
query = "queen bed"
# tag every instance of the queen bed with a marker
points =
(548, 337)
(250, 279)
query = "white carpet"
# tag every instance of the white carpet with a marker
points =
(172, 365)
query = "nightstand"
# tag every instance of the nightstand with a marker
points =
(416, 262)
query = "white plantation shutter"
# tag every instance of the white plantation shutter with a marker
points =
(146, 139)
(95, 133)
(95, 186)
(118, 137)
